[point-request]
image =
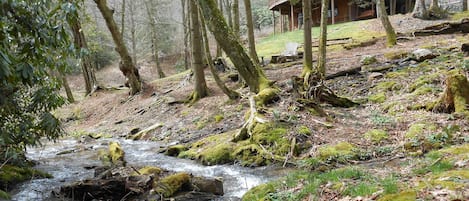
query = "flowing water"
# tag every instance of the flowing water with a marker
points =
(70, 167)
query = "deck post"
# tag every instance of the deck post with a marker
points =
(332, 12)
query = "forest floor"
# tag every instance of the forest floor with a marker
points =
(385, 148)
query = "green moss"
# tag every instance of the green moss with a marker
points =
(4, 195)
(339, 152)
(266, 95)
(367, 60)
(461, 150)
(10, 174)
(376, 135)
(259, 193)
(387, 86)
(419, 129)
(460, 15)
(303, 130)
(218, 118)
(172, 184)
(251, 155)
(272, 136)
(377, 98)
(400, 54)
(150, 170)
(397, 74)
(402, 196)
(175, 150)
(425, 80)
(116, 153)
(423, 90)
(452, 180)
(219, 154)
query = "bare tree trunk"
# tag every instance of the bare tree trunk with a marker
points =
(126, 64)
(123, 18)
(68, 91)
(308, 52)
(219, 52)
(86, 62)
(228, 6)
(323, 40)
(132, 31)
(230, 93)
(197, 54)
(236, 17)
(420, 10)
(251, 39)
(185, 22)
(464, 5)
(154, 37)
(251, 72)
(390, 33)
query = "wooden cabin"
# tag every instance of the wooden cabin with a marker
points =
(291, 16)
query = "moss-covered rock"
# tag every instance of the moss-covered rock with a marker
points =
(175, 150)
(116, 153)
(425, 80)
(387, 86)
(376, 135)
(273, 137)
(304, 130)
(150, 170)
(251, 155)
(419, 129)
(219, 154)
(402, 196)
(171, 184)
(338, 152)
(10, 174)
(452, 180)
(259, 193)
(4, 195)
(377, 98)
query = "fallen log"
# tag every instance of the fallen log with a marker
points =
(444, 28)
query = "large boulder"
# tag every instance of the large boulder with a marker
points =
(213, 186)
(423, 54)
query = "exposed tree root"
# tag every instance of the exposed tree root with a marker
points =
(246, 130)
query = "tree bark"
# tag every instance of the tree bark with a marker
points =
(464, 5)
(251, 39)
(251, 72)
(123, 18)
(86, 62)
(236, 17)
(68, 91)
(308, 52)
(230, 93)
(229, 12)
(200, 90)
(132, 31)
(323, 40)
(186, 24)
(420, 10)
(390, 33)
(154, 35)
(126, 65)
(219, 51)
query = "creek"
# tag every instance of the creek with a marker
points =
(75, 155)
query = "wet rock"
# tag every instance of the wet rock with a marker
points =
(465, 49)
(195, 196)
(213, 186)
(423, 54)
(116, 154)
(115, 188)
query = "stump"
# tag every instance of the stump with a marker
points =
(456, 95)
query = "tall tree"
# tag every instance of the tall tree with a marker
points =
(219, 52)
(464, 5)
(84, 54)
(383, 16)
(236, 19)
(154, 37)
(200, 90)
(126, 65)
(123, 18)
(308, 52)
(250, 71)
(228, 92)
(250, 26)
(132, 31)
(186, 27)
(420, 10)
(323, 40)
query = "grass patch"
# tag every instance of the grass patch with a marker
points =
(275, 44)
(460, 15)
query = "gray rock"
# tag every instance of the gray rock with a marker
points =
(423, 54)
